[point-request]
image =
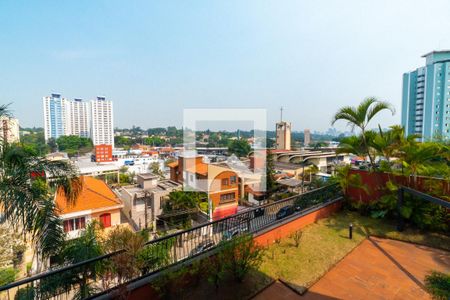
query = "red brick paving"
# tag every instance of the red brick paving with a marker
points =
(377, 269)
(277, 291)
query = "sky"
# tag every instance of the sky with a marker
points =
(155, 58)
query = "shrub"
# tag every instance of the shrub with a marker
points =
(438, 285)
(296, 237)
(215, 269)
(240, 255)
(25, 293)
(7, 275)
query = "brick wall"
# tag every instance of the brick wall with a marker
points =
(284, 230)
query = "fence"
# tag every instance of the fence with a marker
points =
(102, 274)
(400, 201)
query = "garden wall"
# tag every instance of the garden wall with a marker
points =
(285, 229)
(265, 237)
(375, 183)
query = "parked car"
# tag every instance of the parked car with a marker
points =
(129, 163)
(284, 212)
(202, 247)
(259, 212)
(233, 232)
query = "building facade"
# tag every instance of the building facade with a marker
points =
(307, 138)
(9, 129)
(92, 119)
(426, 98)
(96, 201)
(283, 131)
(103, 153)
(78, 122)
(102, 128)
(144, 201)
(219, 182)
(55, 116)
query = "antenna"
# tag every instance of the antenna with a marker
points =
(281, 114)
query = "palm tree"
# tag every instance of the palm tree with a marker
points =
(418, 157)
(27, 187)
(346, 179)
(87, 246)
(360, 117)
(351, 144)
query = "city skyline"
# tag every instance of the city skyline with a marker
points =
(309, 58)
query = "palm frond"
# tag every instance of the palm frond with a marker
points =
(377, 107)
(47, 231)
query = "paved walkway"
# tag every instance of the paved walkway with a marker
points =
(377, 269)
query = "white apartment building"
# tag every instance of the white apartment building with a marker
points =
(102, 128)
(55, 116)
(78, 118)
(93, 119)
(9, 129)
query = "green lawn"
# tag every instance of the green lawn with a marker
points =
(326, 242)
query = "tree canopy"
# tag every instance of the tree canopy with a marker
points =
(73, 144)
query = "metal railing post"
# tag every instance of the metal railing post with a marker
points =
(400, 195)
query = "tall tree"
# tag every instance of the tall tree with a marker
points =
(360, 117)
(27, 187)
(240, 147)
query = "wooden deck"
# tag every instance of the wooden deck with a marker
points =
(377, 269)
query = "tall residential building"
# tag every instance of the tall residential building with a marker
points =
(55, 116)
(307, 137)
(283, 131)
(426, 97)
(102, 130)
(78, 118)
(9, 129)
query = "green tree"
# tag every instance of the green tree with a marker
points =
(270, 174)
(360, 117)
(87, 246)
(154, 168)
(240, 148)
(51, 143)
(180, 204)
(122, 141)
(154, 141)
(73, 144)
(27, 187)
(35, 142)
(346, 179)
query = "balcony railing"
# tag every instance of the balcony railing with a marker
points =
(103, 274)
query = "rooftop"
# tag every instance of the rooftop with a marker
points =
(436, 52)
(148, 176)
(95, 195)
(163, 185)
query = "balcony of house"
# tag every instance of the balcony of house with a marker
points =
(310, 244)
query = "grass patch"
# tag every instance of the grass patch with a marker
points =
(326, 242)
(388, 229)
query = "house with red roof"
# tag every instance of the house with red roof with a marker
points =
(96, 201)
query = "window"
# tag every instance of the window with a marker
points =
(233, 179)
(228, 197)
(74, 224)
(105, 220)
(225, 181)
